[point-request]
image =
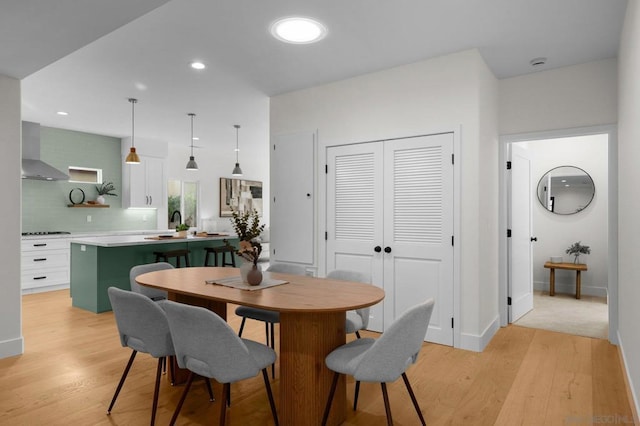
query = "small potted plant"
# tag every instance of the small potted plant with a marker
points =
(105, 188)
(576, 249)
(182, 230)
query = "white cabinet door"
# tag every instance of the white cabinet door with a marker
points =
(144, 183)
(390, 214)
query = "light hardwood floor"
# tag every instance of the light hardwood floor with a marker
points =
(73, 360)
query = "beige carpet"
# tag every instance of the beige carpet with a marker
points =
(564, 313)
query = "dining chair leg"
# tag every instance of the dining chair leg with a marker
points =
(209, 389)
(273, 344)
(270, 395)
(156, 391)
(223, 408)
(182, 398)
(358, 334)
(242, 326)
(122, 379)
(387, 407)
(355, 396)
(413, 397)
(327, 409)
(172, 373)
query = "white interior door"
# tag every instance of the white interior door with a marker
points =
(418, 230)
(354, 213)
(520, 250)
(390, 213)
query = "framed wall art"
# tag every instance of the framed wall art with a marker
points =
(241, 195)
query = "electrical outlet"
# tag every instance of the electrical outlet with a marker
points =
(89, 218)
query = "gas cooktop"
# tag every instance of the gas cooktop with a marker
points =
(45, 233)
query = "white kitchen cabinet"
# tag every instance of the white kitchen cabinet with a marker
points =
(45, 264)
(143, 184)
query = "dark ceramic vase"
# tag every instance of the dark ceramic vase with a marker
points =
(254, 277)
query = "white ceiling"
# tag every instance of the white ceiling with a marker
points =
(88, 57)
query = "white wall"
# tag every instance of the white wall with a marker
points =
(629, 200)
(450, 92)
(11, 342)
(577, 96)
(557, 232)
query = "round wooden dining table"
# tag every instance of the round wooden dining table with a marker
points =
(312, 324)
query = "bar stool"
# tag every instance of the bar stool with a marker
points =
(164, 256)
(222, 251)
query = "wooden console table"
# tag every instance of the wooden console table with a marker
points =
(578, 267)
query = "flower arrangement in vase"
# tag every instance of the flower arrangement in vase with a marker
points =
(248, 229)
(576, 249)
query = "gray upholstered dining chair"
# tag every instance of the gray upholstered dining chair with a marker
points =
(268, 317)
(207, 346)
(383, 360)
(143, 327)
(151, 293)
(359, 319)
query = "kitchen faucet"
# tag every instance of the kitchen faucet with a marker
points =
(173, 216)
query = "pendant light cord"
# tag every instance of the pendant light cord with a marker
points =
(133, 103)
(237, 126)
(192, 115)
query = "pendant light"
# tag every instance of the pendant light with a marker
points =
(132, 158)
(237, 171)
(192, 165)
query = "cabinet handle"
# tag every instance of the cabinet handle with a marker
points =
(150, 200)
(40, 259)
(387, 249)
(40, 278)
(534, 238)
(40, 245)
(377, 249)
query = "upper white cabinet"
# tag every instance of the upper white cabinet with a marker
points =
(143, 185)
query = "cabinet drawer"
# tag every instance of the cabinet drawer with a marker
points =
(45, 278)
(45, 244)
(44, 260)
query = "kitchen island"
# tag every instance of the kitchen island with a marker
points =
(98, 263)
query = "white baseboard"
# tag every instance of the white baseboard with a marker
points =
(43, 289)
(11, 347)
(630, 387)
(571, 289)
(477, 343)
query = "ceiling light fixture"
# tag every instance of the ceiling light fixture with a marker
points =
(536, 62)
(62, 113)
(198, 65)
(132, 158)
(237, 171)
(298, 30)
(192, 165)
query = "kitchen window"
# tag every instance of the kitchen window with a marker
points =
(182, 203)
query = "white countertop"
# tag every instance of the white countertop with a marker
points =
(73, 235)
(135, 240)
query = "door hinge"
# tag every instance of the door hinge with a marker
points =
(274, 252)
(274, 146)
(508, 165)
(452, 240)
(451, 322)
(274, 199)
(452, 159)
(508, 233)
(326, 169)
(326, 235)
(509, 301)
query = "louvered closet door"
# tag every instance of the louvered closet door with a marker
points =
(418, 226)
(354, 213)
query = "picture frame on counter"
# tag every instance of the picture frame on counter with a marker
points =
(241, 195)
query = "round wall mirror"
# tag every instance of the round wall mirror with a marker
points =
(566, 190)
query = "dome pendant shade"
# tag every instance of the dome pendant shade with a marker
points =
(132, 157)
(237, 171)
(191, 164)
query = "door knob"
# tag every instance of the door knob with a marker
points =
(534, 238)
(378, 249)
(387, 249)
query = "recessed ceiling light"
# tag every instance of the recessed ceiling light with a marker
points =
(197, 65)
(195, 138)
(62, 113)
(298, 30)
(536, 62)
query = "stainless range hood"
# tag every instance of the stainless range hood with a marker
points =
(32, 166)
